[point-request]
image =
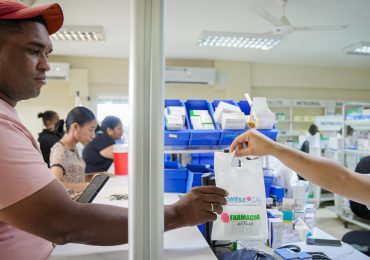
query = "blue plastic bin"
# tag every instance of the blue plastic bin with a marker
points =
(175, 177)
(245, 107)
(195, 158)
(277, 192)
(176, 137)
(202, 158)
(195, 173)
(268, 182)
(270, 133)
(206, 158)
(227, 135)
(207, 136)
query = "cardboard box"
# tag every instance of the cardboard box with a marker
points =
(236, 120)
(275, 234)
(222, 108)
(174, 122)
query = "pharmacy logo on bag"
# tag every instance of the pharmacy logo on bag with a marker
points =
(232, 200)
(226, 217)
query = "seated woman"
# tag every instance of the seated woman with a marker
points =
(65, 162)
(98, 154)
(48, 137)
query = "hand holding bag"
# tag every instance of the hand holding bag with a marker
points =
(244, 217)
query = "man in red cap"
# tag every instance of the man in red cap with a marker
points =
(35, 209)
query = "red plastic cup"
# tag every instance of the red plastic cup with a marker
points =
(120, 159)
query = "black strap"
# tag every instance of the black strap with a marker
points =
(60, 166)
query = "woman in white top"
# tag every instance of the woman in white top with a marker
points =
(313, 138)
(65, 162)
(321, 171)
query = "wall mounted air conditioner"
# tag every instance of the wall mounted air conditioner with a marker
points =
(190, 75)
(58, 71)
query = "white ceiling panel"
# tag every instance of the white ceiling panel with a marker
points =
(186, 19)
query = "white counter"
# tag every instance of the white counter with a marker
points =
(183, 243)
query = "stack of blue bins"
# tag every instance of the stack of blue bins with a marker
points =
(206, 136)
(195, 173)
(227, 135)
(175, 177)
(176, 137)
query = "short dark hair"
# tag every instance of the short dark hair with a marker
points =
(14, 26)
(109, 122)
(313, 129)
(79, 115)
(47, 116)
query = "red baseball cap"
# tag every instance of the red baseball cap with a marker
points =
(14, 10)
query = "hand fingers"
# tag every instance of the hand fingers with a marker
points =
(242, 152)
(209, 217)
(240, 140)
(217, 207)
(211, 190)
(214, 199)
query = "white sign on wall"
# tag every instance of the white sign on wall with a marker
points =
(279, 102)
(309, 103)
(304, 103)
(329, 123)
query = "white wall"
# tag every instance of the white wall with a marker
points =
(310, 82)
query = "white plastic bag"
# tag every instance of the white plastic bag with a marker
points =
(244, 217)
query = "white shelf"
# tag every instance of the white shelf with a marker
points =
(348, 151)
(326, 197)
(358, 124)
(295, 122)
(361, 223)
(194, 149)
(287, 135)
(357, 152)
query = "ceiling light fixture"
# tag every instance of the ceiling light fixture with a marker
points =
(360, 48)
(79, 33)
(238, 40)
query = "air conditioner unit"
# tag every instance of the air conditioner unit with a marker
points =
(190, 75)
(58, 71)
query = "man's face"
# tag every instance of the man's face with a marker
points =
(24, 61)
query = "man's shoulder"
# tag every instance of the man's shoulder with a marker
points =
(12, 126)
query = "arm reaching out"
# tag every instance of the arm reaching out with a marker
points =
(323, 172)
(65, 221)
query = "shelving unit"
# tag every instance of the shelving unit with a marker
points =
(358, 123)
(309, 110)
(292, 126)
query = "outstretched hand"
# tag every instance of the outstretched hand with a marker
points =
(252, 143)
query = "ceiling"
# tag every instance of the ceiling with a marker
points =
(186, 19)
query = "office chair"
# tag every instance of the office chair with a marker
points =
(360, 239)
(359, 209)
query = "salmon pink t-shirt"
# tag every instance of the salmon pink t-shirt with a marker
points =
(22, 173)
